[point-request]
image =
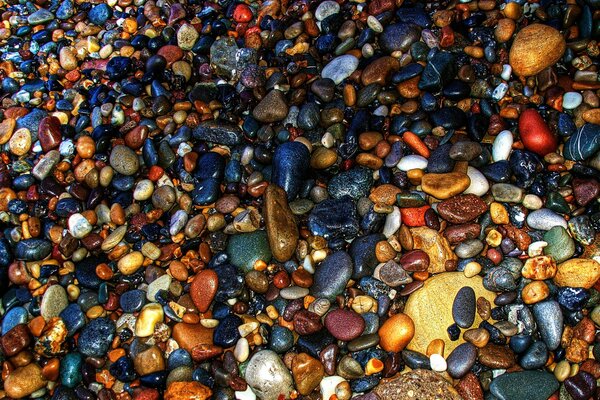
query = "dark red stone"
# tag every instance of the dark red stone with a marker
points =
(49, 133)
(15, 340)
(535, 134)
(585, 190)
(344, 325)
(462, 208)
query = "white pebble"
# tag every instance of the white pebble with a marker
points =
(500, 91)
(79, 227)
(437, 362)
(247, 394)
(536, 248)
(502, 146)
(532, 202)
(328, 385)
(241, 350)
(374, 24)
(571, 100)
(392, 222)
(412, 161)
(326, 9)
(479, 184)
(506, 72)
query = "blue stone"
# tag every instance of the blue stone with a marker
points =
(535, 356)
(416, 15)
(520, 343)
(584, 143)
(565, 126)
(571, 298)
(66, 10)
(449, 117)
(206, 192)
(73, 317)
(498, 172)
(132, 300)
(334, 218)
(355, 183)
(365, 383)
(33, 249)
(233, 171)
(440, 69)
(313, 344)
(70, 369)
(14, 317)
(118, 67)
(282, 339)
(122, 369)
(155, 379)
(96, 337)
(399, 36)
(226, 333)
(5, 253)
(210, 165)
(218, 132)
(524, 166)
(230, 283)
(332, 276)
(362, 251)
(179, 358)
(85, 272)
(32, 120)
(68, 206)
(439, 160)
(99, 14)
(290, 163)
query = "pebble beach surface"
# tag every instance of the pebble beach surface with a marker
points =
(302, 199)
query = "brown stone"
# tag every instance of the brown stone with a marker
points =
(307, 372)
(461, 209)
(380, 70)
(409, 89)
(539, 268)
(459, 233)
(15, 340)
(189, 336)
(384, 194)
(469, 387)
(495, 356)
(24, 381)
(187, 391)
(203, 289)
(519, 236)
(417, 384)
(435, 245)
(149, 361)
(280, 224)
(49, 133)
(322, 158)
(534, 48)
(272, 107)
(7, 127)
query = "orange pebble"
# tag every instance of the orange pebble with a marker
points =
(37, 325)
(115, 354)
(416, 144)
(50, 370)
(420, 275)
(414, 216)
(396, 332)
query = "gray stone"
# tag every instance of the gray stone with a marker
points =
(545, 219)
(549, 320)
(268, 376)
(524, 385)
(340, 68)
(54, 301)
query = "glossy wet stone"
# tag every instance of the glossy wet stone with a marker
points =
(531, 384)
(332, 275)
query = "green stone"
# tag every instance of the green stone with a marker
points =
(557, 203)
(524, 385)
(410, 200)
(560, 245)
(70, 370)
(245, 249)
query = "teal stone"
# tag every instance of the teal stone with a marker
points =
(560, 245)
(355, 183)
(583, 144)
(524, 385)
(40, 17)
(70, 370)
(247, 248)
(555, 202)
(410, 200)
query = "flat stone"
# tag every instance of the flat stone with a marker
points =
(530, 385)
(218, 132)
(187, 391)
(578, 272)
(332, 276)
(272, 107)
(340, 68)
(535, 48)
(462, 208)
(428, 385)
(24, 381)
(245, 249)
(431, 311)
(446, 185)
(54, 302)
(189, 336)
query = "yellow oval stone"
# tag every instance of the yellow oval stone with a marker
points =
(444, 186)
(430, 308)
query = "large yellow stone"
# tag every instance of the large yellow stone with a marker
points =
(431, 308)
(444, 186)
(535, 48)
(435, 245)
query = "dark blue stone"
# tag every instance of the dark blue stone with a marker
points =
(439, 160)
(584, 143)
(282, 339)
(233, 171)
(85, 272)
(206, 192)
(334, 218)
(290, 163)
(440, 69)
(373, 287)
(415, 360)
(416, 15)
(573, 299)
(226, 333)
(355, 183)
(230, 282)
(32, 120)
(326, 43)
(33, 249)
(23, 182)
(96, 337)
(36, 85)
(524, 166)
(65, 10)
(155, 379)
(332, 276)
(73, 318)
(535, 356)
(365, 383)
(313, 344)
(14, 317)
(565, 126)
(520, 343)
(99, 14)
(210, 165)
(449, 117)
(399, 36)
(407, 72)
(498, 172)
(456, 90)
(118, 67)
(132, 300)
(362, 251)
(122, 369)
(66, 207)
(179, 358)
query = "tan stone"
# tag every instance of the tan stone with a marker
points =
(435, 245)
(384, 194)
(431, 308)
(7, 128)
(149, 361)
(444, 186)
(417, 384)
(280, 224)
(187, 391)
(189, 336)
(23, 381)
(539, 268)
(322, 158)
(307, 372)
(535, 48)
(578, 272)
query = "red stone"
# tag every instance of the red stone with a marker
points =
(414, 216)
(535, 134)
(469, 387)
(146, 394)
(344, 325)
(203, 289)
(242, 13)
(171, 53)
(49, 133)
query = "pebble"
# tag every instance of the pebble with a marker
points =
(268, 376)
(577, 272)
(428, 384)
(24, 381)
(534, 48)
(502, 146)
(549, 319)
(340, 68)
(54, 301)
(463, 307)
(545, 219)
(537, 385)
(344, 325)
